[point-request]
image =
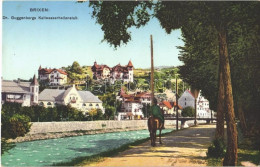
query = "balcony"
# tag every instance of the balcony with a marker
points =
(14, 100)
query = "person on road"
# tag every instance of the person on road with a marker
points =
(156, 111)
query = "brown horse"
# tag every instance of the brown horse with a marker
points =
(153, 125)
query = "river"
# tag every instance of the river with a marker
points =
(47, 152)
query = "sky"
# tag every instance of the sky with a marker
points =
(27, 44)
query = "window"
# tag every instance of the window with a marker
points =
(83, 104)
(97, 105)
(49, 103)
(90, 105)
(41, 104)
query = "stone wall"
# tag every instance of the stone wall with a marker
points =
(58, 127)
(51, 130)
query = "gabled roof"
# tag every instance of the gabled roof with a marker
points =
(88, 97)
(51, 95)
(59, 95)
(60, 71)
(15, 86)
(48, 71)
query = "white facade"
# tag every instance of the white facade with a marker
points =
(203, 107)
(57, 78)
(52, 76)
(188, 100)
(131, 110)
(81, 100)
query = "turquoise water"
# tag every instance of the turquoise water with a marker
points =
(47, 152)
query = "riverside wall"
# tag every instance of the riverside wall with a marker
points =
(50, 130)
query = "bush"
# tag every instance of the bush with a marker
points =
(217, 149)
(188, 112)
(15, 126)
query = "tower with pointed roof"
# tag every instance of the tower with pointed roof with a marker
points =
(34, 90)
(130, 71)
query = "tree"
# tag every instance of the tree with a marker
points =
(13, 124)
(188, 112)
(110, 112)
(92, 113)
(174, 15)
(75, 72)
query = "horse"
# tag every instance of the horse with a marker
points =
(153, 125)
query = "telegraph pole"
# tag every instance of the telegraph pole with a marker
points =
(152, 71)
(177, 114)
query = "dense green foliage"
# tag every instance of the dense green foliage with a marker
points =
(76, 73)
(42, 114)
(188, 112)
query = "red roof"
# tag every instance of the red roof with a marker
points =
(143, 94)
(60, 71)
(48, 71)
(130, 64)
(167, 104)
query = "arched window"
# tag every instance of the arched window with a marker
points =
(41, 104)
(90, 104)
(83, 104)
(97, 105)
(49, 103)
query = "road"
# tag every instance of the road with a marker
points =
(183, 148)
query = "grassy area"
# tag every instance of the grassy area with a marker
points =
(245, 153)
(85, 160)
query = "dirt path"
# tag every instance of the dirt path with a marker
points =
(183, 148)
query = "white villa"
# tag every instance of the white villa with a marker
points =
(25, 93)
(52, 76)
(187, 99)
(82, 100)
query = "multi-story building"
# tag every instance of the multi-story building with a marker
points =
(132, 104)
(187, 99)
(82, 100)
(25, 93)
(52, 76)
(118, 72)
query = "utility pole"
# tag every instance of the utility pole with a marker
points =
(177, 113)
(195, 93)
(152, 70)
